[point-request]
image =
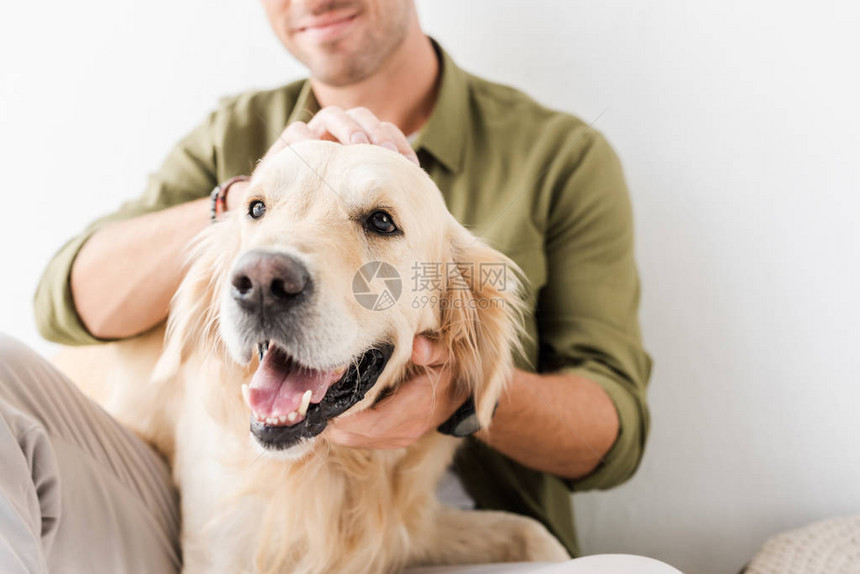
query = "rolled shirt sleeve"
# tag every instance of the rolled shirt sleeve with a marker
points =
(588, 308)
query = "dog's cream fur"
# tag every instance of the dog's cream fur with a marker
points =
(319, 507)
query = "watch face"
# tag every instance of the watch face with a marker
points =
(463, 422)
(467, 426)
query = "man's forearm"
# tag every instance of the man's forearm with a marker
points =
(126, 273)
(559, 423)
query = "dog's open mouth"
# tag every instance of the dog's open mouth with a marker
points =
(290, 402)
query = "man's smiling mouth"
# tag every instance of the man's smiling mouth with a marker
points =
(290, 401)
(328, 27)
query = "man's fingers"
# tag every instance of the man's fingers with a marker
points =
(383, 134)
(414, 409)
(297, 132)
(400, 140)
(343, 438)
(358, 125)
(343, 128)
(293, 133)
(361, 423)
(373, 127)
(428, 353)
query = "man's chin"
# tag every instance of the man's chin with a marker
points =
(337, 72)
(338, 64)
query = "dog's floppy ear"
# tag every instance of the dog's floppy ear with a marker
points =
(481, 319)
(194, 309)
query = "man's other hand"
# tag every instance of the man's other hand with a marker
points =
(416, 407)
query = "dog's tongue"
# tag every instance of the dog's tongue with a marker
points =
(277, 387)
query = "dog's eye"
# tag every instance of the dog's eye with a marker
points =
(381, 222)
(257, 209)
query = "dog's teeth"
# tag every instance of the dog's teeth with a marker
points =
(256, 415)
(292, 416)
(262, 349)
(271, 421)
(246, 395)
(282, 419)
(306, 401)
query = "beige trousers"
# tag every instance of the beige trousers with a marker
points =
(78, 492)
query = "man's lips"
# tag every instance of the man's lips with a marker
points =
(328, 27)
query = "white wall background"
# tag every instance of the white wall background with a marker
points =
(739, 129)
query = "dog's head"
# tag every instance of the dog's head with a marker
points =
(338, 257)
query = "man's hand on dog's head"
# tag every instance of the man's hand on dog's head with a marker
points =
(416, 408)
(354, 126)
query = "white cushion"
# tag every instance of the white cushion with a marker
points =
(826, 547)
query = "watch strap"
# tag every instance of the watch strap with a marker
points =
(463, 422)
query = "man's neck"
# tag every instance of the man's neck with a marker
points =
(402, 91)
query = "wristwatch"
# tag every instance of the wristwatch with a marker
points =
(463, 422)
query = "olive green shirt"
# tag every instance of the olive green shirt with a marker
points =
(537, 184)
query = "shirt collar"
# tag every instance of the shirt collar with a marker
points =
(306, 105)
(444, 134)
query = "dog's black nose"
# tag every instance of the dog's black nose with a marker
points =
(270, 281)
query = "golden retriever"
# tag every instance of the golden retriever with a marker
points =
(267, 332)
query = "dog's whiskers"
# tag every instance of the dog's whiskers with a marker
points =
(357, 366)
(256, 460)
